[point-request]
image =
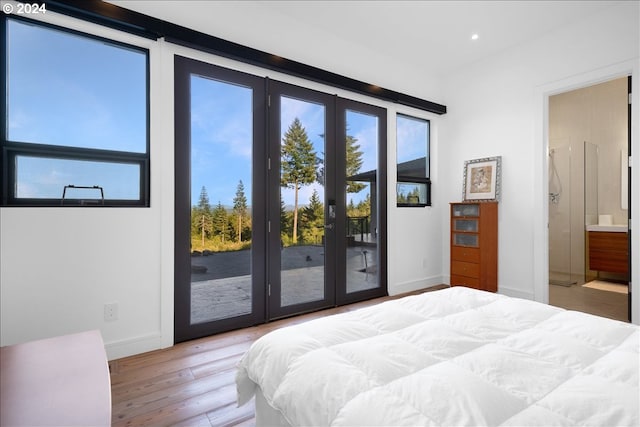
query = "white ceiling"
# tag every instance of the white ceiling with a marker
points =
(428, 35)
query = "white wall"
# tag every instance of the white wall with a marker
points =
(58, 267)
(498, 107)
(414, 252)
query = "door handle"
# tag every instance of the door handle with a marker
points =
(328, 226)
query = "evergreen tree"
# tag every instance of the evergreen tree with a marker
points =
(354, 163)
(313, 219)
(203, 201)
(201, 219)
(220, 221)
(298, 162)
(285, 222)
(364, 207)
(351, 209)
(240, 208)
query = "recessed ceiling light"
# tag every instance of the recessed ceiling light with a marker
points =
(474, 37)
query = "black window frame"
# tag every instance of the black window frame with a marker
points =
(10, 150)
(411, 179)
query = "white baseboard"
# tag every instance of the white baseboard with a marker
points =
(510, 292)
(414, 285)
(516, 293)
(131, 346)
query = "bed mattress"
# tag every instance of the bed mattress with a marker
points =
(457, 356)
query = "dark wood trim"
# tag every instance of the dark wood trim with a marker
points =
(113, 16)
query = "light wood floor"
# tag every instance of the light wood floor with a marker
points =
(193, 383)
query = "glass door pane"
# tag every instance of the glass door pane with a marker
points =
(302, 198)
(361, 171)
(220, 202)
(221, 159)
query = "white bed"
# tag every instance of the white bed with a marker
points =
(455, 357)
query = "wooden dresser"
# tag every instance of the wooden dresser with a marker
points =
(474, 245)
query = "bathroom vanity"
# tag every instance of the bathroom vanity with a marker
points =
(608, 248)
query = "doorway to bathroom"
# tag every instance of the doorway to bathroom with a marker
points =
(589, 253)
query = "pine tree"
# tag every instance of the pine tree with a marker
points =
(313, 219)
(201, 219)
(220, 221)
(298, 162)
(203, 201)
(354, 163)
(240, 208)
(285, 222)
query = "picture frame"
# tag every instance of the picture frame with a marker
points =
(481, 179)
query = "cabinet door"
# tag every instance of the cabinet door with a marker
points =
(465, 225)
(465, 209)
(466, 239)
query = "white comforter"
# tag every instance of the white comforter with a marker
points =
(455, 357)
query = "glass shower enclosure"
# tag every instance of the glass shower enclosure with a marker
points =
(573, 204)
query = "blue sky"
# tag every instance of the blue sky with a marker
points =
(221, 139)
(412, 137)
(74, 91)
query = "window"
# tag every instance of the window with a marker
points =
(75, 129)
(413, 186)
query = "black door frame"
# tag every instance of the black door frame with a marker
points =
(266, 247)
(276, 90)
(184, 330)
(342, 297)
(629, 204)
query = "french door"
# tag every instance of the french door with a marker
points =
(280, 200)
(219, 200)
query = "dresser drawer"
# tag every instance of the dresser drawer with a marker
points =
(459, 253)
(470, 282)
(467, 269)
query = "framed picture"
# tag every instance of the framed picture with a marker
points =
(482, 179)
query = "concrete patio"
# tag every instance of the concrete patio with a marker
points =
(225, 289)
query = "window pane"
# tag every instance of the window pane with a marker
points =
(361, 190)
(302, 196)
(45, 178)
(68, 90)
(413, 147)
(221, 197)
(411, 193)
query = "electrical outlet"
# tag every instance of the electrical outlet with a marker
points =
(111, 312)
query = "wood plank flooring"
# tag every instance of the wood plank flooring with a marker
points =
(594, 301)
(193, 383)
